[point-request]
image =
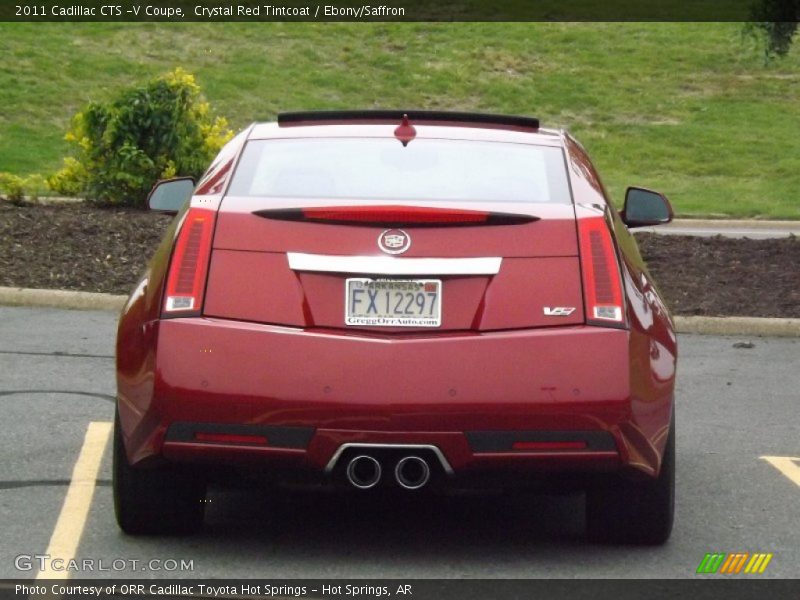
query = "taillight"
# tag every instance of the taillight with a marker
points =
(602, 288)
(189, 266)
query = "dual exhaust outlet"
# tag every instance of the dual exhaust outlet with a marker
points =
(410, 472)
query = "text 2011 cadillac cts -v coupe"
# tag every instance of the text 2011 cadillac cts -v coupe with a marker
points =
(399, 298)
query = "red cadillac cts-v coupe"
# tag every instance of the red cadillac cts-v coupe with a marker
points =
(408, 299)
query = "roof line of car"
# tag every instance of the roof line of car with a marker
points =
(286, 131)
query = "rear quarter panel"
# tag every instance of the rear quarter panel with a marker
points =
(652, 341)
(137, 331)
(137, 336)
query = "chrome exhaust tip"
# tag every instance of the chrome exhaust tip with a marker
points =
(364, 472)
(412, 472)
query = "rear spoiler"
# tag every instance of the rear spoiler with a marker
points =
(330, 117)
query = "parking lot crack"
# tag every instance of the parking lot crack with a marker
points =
(106, 397)
(13, 484)
(56, 354)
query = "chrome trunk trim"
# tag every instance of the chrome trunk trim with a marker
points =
(387, 265)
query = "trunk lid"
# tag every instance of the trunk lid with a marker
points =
(493, 276)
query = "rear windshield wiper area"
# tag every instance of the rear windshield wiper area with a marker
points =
(395, 216)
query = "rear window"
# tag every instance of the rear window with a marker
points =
(382, 169)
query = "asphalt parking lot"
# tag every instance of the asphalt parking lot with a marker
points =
(736, 405)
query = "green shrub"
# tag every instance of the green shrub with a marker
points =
(17, 190)
(70, 180)
(35, 186)
(12, 188)
(121, 148)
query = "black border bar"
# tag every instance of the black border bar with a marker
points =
(697, 587)
(175, 11)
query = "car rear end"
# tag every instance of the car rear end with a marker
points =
(391, 303)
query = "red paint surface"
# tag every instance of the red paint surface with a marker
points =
(271, 349)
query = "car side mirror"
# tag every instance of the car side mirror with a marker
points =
(169, 195)
(645, 207)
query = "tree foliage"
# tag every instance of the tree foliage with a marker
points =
(121, 148)
(776, 22)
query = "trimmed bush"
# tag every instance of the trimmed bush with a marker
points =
(18, 190)
(121, 148)
(12, 188)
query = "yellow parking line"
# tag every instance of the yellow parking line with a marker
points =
(75, 510)
(786, 465)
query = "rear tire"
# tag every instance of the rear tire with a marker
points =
(635, 513)
(154, 501)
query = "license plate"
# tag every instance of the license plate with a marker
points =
(393, 302)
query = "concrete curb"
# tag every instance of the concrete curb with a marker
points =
(754, 326)
(732, 224)
(51, 200)
(749, 326)
(60, 299)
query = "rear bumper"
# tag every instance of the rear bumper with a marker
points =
(546, 399)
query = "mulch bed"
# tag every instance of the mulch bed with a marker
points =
(725, 277)
(76, 247)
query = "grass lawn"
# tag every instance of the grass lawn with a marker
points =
(686, 108)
